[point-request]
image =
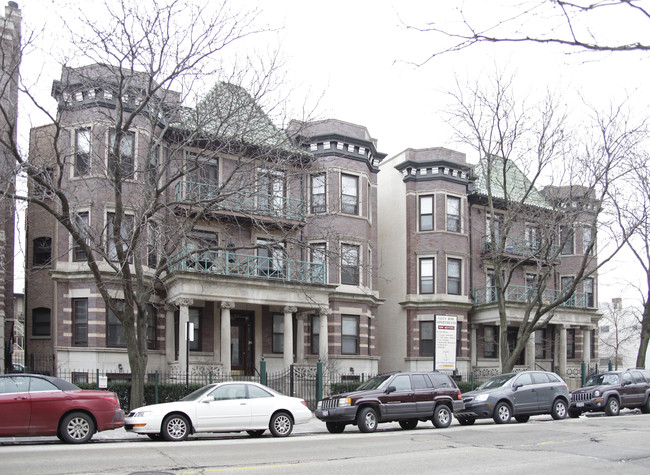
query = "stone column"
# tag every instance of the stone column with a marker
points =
(216, 333)
(586, 345)
(323, 335)
(562, 350)
(288, 335)
(184, 312)
(300, 337)
(530, 351)
(170, 348)
(226, 305)
(473, 348)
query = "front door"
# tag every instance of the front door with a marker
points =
(242, 349)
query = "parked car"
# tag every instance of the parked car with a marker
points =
(221, 407)
(403, 397)
(520, 395)
(33, 405)
(17, 368)
(612, 391)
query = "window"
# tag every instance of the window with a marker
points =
(571, 343)
(421, 381)
(278, 333)
(152, 244)
(490, 341)
(271, 258)
(493, 225)
(152, 327)
(41, 322)
(82, 152)
(589, 292)
(453, 214)
(349, 194)
(315, 334)
(152, 166)
(349, 264)
(318, 193)
(426, 275)
(125, 154)
(540, 344)
(426, 338)
(114, 329)
(196, 318)
(426, 213)
(349, 335)
(531, 236)
(126, 230)
(202, 177)
(512, 342)
(80, 322)
(454, 276)
(272, 190)
(491, 284)
(82, 222)
(566, 283)
(42, 251)
(587, 239)
(318, 253)
(566, 239)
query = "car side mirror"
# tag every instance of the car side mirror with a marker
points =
(208, 399)
(517, 386)
(390, 389)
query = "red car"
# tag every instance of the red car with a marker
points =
(33, 405)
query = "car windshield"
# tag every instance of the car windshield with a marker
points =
(193, 396)
(496, 382)
(378, 382)
(601, 379)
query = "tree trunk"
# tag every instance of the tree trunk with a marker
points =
(645, 334)
(138, 365)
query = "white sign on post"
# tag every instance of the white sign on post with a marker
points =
(445, 338)
(190, 331)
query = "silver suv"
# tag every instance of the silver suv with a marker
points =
(519, 395)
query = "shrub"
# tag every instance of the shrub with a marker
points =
(344, 387)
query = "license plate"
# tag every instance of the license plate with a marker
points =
(326, 413)
(580, 404)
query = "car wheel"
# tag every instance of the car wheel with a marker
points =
(612, 407)
(646, 407)
(441, 416)
(559, 409)
(367, 419)
(76, 428)
(155, 437)
(281, 424)
(335, 427)
(502, 413)
(408, 424)
(574, 414)
(175, 428)
(522, 419)
(466, 421)
(255, 433)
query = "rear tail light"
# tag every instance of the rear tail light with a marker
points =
(113, 399)
(302, 401)
(459, 397)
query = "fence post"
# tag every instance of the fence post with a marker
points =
(611, 365)
(263, 371)
(583, 370)
(156, 387)
(210, 377)
(471, 380)
(319, 380)
(97, 371)
(291, 381)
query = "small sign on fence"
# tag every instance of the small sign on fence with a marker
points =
(103, 382)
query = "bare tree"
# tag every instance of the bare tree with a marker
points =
(155, 69)
(579, 25)
(524, 146)
(619, 330)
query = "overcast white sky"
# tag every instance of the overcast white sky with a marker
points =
(359, 55)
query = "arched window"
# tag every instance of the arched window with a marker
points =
(42, 251)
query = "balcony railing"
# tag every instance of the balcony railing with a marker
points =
(522, 247)
(245, 202)
(246, 265)
(522, 294)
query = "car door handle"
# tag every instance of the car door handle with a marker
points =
(20, 398)
(242, 403)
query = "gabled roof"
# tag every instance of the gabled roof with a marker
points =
(507, 182)
(229, 112)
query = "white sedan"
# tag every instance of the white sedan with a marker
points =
(221, 407)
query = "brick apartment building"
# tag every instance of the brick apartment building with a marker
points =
(10, 28)
(284, 271)
(435, 260)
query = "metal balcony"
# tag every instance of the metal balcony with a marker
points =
(249, 203)
(246, 265)
(521, 247)
(522, 294)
